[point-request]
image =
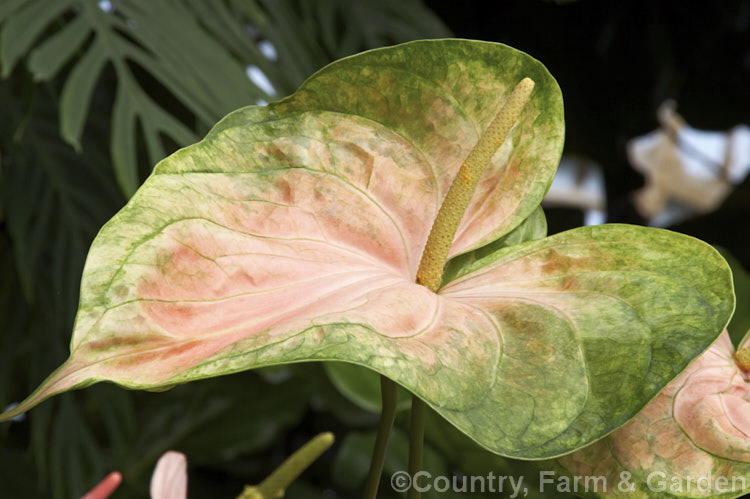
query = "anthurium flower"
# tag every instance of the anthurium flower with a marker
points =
(692, 440)
(293, 232)
(170, 479)
(106, 487)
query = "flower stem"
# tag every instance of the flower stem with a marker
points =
(277, 482)
(387, 415)
(416, 442)
(440, 240)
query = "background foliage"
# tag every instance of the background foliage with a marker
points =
(94, 93)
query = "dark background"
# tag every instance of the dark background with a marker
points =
(616, 62)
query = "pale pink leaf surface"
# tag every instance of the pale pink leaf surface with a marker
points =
(294, 232)
(170, 480)
(697, 427)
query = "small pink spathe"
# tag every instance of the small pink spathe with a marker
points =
(169, 480)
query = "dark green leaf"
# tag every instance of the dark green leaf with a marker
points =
(50, 56)
(23, 26)
(362, 386)
(76, 94)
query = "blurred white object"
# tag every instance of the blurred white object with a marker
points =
(268, 50)
(169, 480)
(687, 171)
(18, 418)
(579, 183)
(106, 6)
(259, 78)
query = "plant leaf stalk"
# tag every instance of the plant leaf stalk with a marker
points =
(387, 415)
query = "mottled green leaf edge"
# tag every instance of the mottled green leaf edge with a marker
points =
(675, 262)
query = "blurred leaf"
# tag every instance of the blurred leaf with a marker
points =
(27, 22)
(352, 461)
(8, 6)
(213, 422)
(362, 386)
(2, 204)
(326, 30)
(470, 459)
(371, 24)
(49, 57)
(301, 490)
(162, 38)
(740, 323)
(250, 422)
(73, 453)
(116, 410)
(185, 45)
(20, 482)
(325, 397)
(54, 203)
(12, 312)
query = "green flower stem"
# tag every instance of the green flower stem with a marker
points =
(462, 189)
(416, 442)
(387, 415)
(440, 240)
(274, 486)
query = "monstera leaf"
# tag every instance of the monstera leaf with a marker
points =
(293, 232)
(693, 440)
